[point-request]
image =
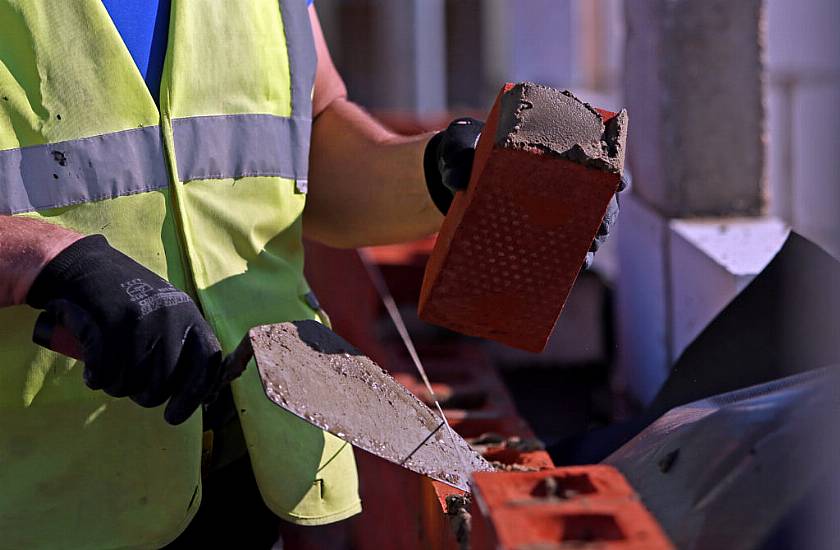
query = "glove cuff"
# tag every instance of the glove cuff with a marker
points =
(441, 196)
(63, 267)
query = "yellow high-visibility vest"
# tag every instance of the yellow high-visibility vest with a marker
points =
(206, 190)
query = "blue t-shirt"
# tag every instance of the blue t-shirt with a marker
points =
(144, 27)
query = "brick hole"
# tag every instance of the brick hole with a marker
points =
(590, 528)
(564, 486)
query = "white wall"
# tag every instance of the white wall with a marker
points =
(803, 64)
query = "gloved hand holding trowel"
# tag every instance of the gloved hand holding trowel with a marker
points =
(299, 364)
(139, 336)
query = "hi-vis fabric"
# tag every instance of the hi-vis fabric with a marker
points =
(204, 190)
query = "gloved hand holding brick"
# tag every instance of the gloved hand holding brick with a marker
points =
(545, 170)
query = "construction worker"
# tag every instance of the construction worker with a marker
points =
(158, 214)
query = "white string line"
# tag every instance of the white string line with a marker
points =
(396, 317)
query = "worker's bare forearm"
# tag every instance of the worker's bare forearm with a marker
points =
(366, 184)
(26, 245)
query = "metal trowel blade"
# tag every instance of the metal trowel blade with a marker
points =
(313, 373)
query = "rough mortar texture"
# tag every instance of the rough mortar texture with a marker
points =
(693, 81)
(538, 117)
(513, 244)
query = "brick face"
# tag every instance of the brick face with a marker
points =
(586, 506)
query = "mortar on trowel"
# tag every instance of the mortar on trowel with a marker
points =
(512, 245)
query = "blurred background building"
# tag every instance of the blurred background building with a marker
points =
(734, 110)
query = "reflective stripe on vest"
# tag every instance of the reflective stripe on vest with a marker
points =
(81, 170)
(129, 162)
(241, 145)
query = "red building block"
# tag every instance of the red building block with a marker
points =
(512, 245)
(583, 507)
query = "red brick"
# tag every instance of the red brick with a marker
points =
(578, 505)
(584, 481)
(513, 244)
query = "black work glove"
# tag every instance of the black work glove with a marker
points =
(140, 336)
(448, 160)
(607, 223)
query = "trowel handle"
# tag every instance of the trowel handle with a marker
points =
(50, 334)
(235, 363)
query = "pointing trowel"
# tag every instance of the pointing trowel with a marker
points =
(310, 371)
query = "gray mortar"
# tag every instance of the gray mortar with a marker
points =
(538, 117)
(314, 374)
(460, 519)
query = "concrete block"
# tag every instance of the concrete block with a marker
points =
(642, 299)
(675, 277)
(711, 262)
(512, 245)
(780, 149)
(816, 193)
(697, 108)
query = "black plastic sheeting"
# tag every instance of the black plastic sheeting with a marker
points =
(725, 472)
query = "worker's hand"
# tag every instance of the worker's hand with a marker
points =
(449, 158)
(607, 223)
(140, 336)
